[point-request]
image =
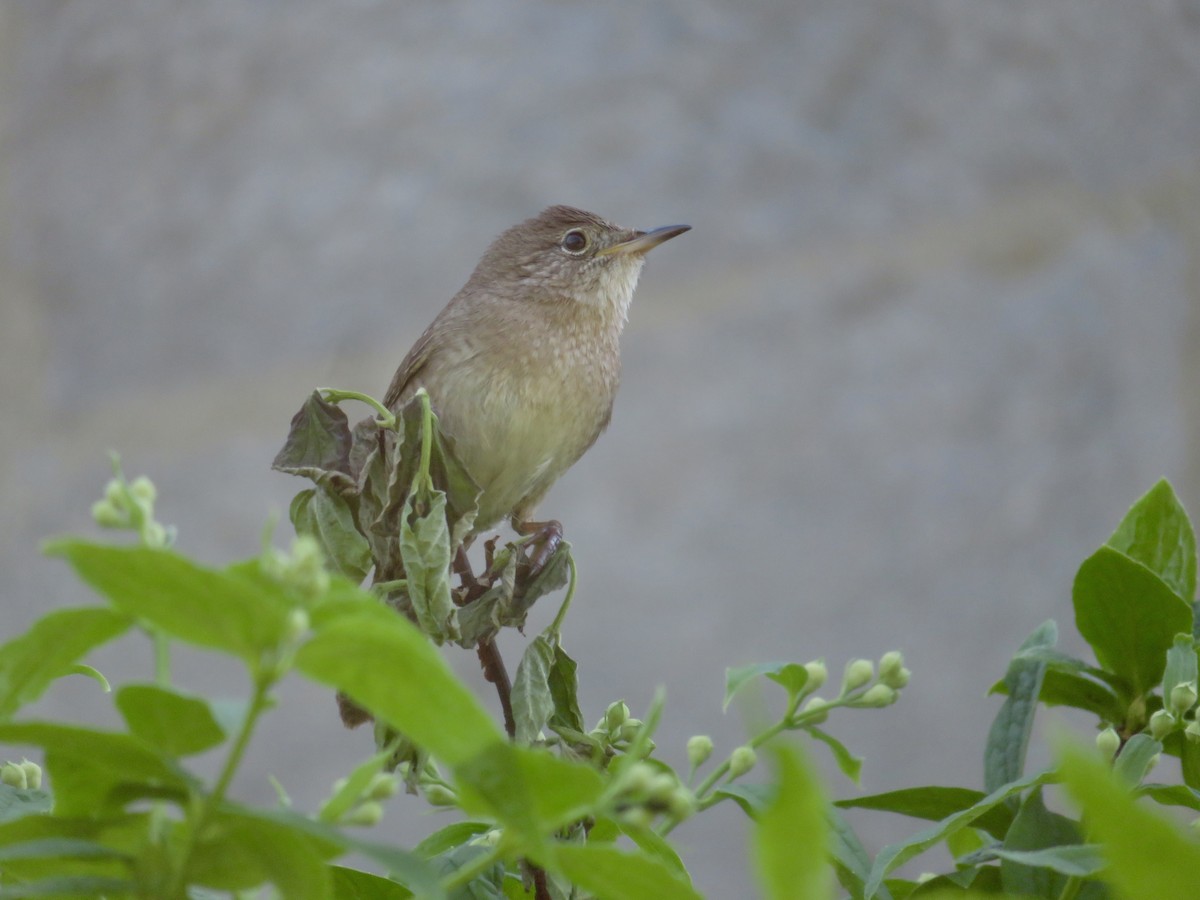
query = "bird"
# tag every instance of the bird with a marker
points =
(523, 364)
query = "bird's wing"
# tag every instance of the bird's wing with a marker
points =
(413, 363)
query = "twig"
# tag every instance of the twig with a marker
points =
(494, 671)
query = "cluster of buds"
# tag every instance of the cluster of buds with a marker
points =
(24, 775)
(1174, 714)
(644, 791)
(303, 568)
(130, 505)
(864, 685)
(368, 808)
(618, 728)
(421, 773)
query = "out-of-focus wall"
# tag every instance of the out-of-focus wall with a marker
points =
(933, 331)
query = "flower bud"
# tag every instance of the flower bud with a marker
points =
(615, 716)
(14, 776)
(1108, 742)
(741, 761)
(858, 673)
(33, 774)
(878, 696)
(143, 491)
(892, 671)
(296, 627)
(815, 704)
(106, 515)
(681, 802)
(154, 535)
(628, 730)
(637, 816)
(488, 839)
(1192, 732)
(1162, 723)
(366, 814)
(639, 777)
(817, 674)
(699, 749)
(382, 786)
(440, 795)
(662, 786)
(114, 493)
(1183, 697)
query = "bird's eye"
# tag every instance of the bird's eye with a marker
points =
(574, 242)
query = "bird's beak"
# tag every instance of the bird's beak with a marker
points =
(645, 241)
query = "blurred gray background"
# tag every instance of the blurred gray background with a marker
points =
(933, 332)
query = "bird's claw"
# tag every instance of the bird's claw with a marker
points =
(543, 540)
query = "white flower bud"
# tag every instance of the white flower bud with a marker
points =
(382, 786)
(106, 515)
(297, 625)
(440, 795)
(1162, 723)
(817, 674)
(878, 696)
(741, 761)
(14, 776)
(615, 716)
(366, 814)
(1108, 742)
(815, 705)
(143, 491)
(1192, 732)
(1183, 697)
(858, 673)
(681, 803)
(699, 749)
(33, 774)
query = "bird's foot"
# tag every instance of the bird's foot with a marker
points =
(543, 539)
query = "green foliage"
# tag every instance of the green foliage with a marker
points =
(547, 808)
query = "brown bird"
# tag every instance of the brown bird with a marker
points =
(523, 363)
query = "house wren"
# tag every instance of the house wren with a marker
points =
(523, 363)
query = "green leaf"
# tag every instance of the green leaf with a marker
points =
(752, 798)
(1068, 689)
(49, 650)
(656, 846)
(1036, 828)
(1189, 763)
(895, 855)
(564, 690)
(351, 884)
(1172, 795)
(175, 723)
(1157, 533)
(449, 837)
(18, 802)
(327, 517)
(792, 676)
(1080, 860)
(528, 790)
(614, 874)
(850, 764)
(1129, 615)
(1008, 737)
(790, 839)
(1148, 856)
(388, 667)
(318, 444)
(935, 803)
(532, 702)
(71, 886)
(1181, 665)
(850, 857)
(1136, 758)
(88, 769)
(425, 548)
(201, 606)
(237, 851)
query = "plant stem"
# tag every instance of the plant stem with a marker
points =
(209, 803)
(556, 626)
(386, 417)
(162, 659)
(1071, 888)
